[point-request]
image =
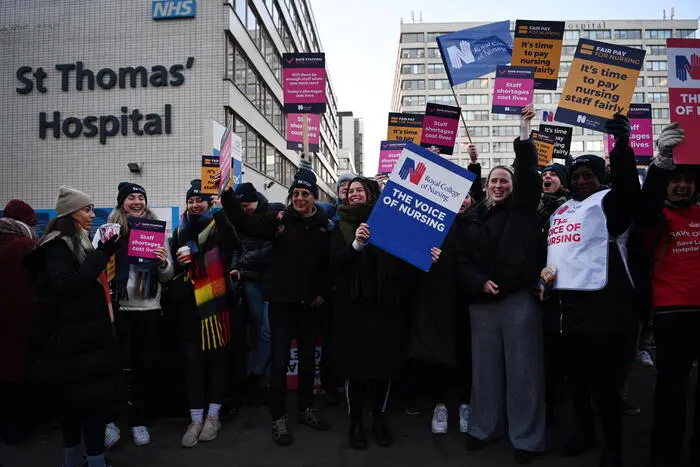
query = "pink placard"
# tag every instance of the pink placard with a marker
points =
(641, 136)
(440, 127)
(513, 89)
(389, 153)
(145, 235)
(225, 155)
(304, 82)
(295, 131)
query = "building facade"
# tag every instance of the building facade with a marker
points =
(352, 137)
(88, 88)
(420, 78)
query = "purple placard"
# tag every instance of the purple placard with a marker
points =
(304, 82)
(641, 136)
(513, 89)
(389, 153)
(145, 235)
(440, 128)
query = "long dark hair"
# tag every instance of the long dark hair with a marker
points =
(66, 226)
(371, 188)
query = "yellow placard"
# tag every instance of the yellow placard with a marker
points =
(545, 148)
(405, 127)
(538, 44)
(210, 168)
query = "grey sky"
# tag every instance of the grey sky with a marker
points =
(360, 38)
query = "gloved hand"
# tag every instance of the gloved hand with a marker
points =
(669, 137)
(619, 127)
(111, 246)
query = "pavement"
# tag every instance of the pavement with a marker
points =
(245, 442)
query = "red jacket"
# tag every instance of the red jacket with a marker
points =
(676, 262)
(17, 298)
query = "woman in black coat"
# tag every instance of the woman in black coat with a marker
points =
(76, 359)
(371, 290)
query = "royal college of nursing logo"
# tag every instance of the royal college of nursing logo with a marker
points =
(688, 68)
(410, 171)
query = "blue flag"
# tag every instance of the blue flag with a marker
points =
(475, 52)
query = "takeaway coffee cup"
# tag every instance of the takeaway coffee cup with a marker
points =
(107, 231)
(185, 254)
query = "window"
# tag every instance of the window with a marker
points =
(657, 34)
(655, 65)
(658, 127)
(656, 49)
(501, 147)
(657, 97)
(438, 84)
(474, 99)
(485, 164)
(564, 66)
(543, 99)
(635, 46)
(659, 113)
(445, 99)
(433, 52)
(568, 50)
(657, 81)
(596, 34)
(556, 98)
(628, 34)
(561, 82)
(412, 37)
(505, 130)
(578, 131)
(504, 117)
(430, 37)
(436, 68)
(413, 84)
(413, 69)
(412, 53)
(476, 131)
(483, 148)
(413, 100)
(576, 146)
(479, 83)
(476, 114)
(594, 145)
(685, 33)
(588, 131)
(640, 82)
(638, 98)
(572, 35)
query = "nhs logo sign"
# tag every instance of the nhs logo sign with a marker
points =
(172, 9)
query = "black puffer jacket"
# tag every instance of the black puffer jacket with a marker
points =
(500, 243)
(252, 259)
(611, 310)
(298, 271)
(75, 352)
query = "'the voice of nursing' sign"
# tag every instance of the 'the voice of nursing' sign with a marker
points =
(684, 95)
(418, 205)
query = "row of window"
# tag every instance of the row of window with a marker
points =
(251, 20)
(483, 115)
(241, 72)
(574, 34)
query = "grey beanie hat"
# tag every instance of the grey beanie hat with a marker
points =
(70, 200)
(346, 177)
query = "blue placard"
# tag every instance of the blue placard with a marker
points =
(418, 205)
(474, 52)
(173, 9)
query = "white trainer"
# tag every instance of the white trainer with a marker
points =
(211, 429)
(112, 435)
(644, 358)
(465, 411)
(191, 436)
(141, 435)
(439, 422)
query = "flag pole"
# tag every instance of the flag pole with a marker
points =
(461, 116)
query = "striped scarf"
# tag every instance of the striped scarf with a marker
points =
(210, 291)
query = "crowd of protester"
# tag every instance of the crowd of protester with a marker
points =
(548, 284)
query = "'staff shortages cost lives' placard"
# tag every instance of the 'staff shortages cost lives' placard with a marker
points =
(684, 95)
(600, 84)
(145, 235)
(418, 205)
(440, 127)
(304, 82)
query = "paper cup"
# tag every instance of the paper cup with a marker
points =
(107, 231)
(185, 254)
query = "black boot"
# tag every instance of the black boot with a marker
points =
(253, 396)
(381, 432)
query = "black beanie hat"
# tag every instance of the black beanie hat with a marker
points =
(196, 190)
(127, 188)
(371, 188)
(595, 163)
(247, 193)
(561, 172)
(306, 179)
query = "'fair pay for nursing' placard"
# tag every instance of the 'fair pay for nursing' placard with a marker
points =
(418, 205)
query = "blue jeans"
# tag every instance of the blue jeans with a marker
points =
(260, 357)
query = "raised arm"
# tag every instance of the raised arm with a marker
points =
(477, 189)
(256, 225)
(527, 184)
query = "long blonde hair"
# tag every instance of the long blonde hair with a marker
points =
(488, 201)
(119, 216)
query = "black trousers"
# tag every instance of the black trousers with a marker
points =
(206, 372)
(139, 336)
(463, 347)
(594, 366)
(286, 321)
(359, 391)
(88, 426)
(16, 414)
(677, 347)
